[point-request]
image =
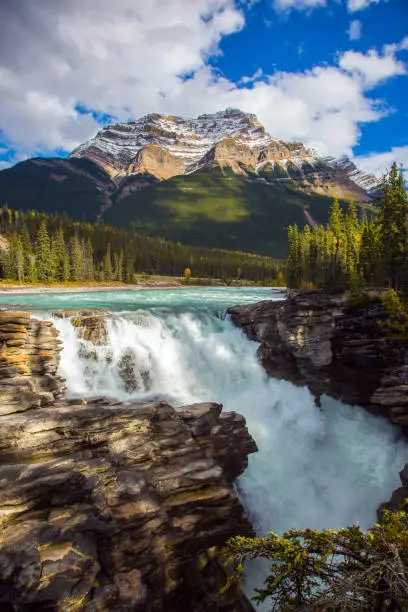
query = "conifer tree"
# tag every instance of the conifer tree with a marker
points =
(10, 259)
(28, 252)
(76, 258)
(129, 267)
(19, 257)
(89, 262)
(43, 254)
(119, 267)
(134, 253)
(60, 257)
(336, 220)
(108, 264)
(31, 274)
(394, 227)
(294, 272)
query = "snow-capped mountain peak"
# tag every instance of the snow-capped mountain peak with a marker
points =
(165, 146)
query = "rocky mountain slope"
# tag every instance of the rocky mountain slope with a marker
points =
(201, 181)
(166, 146)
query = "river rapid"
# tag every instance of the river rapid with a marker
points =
(318, 468)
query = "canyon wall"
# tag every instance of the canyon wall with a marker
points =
(318, 341)
(106, 506)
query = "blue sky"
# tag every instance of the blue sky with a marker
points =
(332, 73)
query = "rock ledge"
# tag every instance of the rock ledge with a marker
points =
(107, 506)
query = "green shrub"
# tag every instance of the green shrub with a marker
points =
(396, 324)
(329, 570)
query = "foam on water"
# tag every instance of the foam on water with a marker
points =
(315, 468)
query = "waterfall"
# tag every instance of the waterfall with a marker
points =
(317, 468)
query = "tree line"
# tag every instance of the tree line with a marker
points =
(53, 248)
(355, 249)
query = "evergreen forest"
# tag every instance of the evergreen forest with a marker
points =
(354, 250)
(49, 248)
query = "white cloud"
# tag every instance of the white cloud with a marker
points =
(360, 5)
(322, 107)
(4, 164)
(354, 31)
(395, 47)
(379, 163)
(372, 68)
(245, 80)
(130, 61)
(82, 51)
(285, 6)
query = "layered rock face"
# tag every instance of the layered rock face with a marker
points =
(165, 146)
(29, 358)
(105, 506)
(315, 340)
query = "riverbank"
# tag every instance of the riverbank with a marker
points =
(151, 282)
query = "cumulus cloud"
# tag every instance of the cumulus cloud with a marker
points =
(57, 54)
(372, 68)
(152, 56)
(379, 163)
(321, 107)
(354, 31)
(360, 5)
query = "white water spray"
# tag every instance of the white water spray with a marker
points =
(315, 468)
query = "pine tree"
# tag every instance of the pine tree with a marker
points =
(352, 237)
(28, 251)
(76, 258)
(129, 267)
(19, 260)
(394, 227)
(306, 239)
(336, 220)
(294, 265)
(108, 264)
(43, 254)
(89, 262)
(119, 269)
(10, 258)
(60, 257)
(31, 274)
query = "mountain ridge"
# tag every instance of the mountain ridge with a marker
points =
(217, 180)
(167, 146)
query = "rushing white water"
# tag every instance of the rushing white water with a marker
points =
(317, 468)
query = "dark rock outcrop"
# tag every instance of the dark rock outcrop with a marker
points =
(316, 340)
(399, 498)
(105, 506)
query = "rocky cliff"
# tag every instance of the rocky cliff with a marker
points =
(316, 340)
(105, 506)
